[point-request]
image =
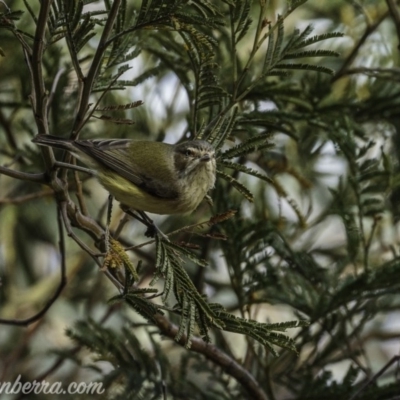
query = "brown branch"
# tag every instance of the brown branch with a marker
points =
(74, 167)
(79, 194)
(5, 5)
(395, 14)
(7, 129)
(27, 197)
(94, 108)
(352, 56)
(24, 176)
(40, 97)
(54, 87)
(63, 281)
(218, 357)
(393, 360)
(69, 212)
(26, 48)
(94, 69)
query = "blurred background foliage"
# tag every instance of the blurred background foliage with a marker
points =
(319, 242)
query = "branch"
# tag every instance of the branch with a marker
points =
(395, 13)
(393, 360)
(7, 129)
(39, 96)
(218, 357)
(94, 69)
(63, 281)
(37, 72)
(54, 87)
(26, 197)
(24, 176)
(351, 57)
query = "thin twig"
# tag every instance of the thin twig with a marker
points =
(24, 176)
(186, 228)
(5, 5)
(74, 55)
(375, 377)
(94, 68)
(74, 167)
(63, 282)
(395, 13)
(90, 114)
(131, 29)
(71, 233)
(37, 72)
(70, 212)
(121, 225)
(214, 354)
(27, 197)
(54, 87)
(7, 129)
(352, 56)
(79, 194)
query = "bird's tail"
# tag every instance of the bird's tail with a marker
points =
(54, 141)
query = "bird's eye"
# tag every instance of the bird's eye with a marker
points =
(189, 153)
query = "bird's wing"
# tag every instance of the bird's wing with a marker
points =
(113, 154)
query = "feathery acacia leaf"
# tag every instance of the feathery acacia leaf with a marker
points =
(248, 146)
(237, 93)
(316, 39)
(311, 53)
(237, 185)
(306, 67)
(121, 107)
(246, 170)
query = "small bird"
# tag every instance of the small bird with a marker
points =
(148, 176)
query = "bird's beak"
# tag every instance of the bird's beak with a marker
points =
(206, 157)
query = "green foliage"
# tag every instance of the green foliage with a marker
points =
(136, 373)
(315, 221)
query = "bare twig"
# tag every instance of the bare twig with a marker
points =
(352, 56)
(39, 94)
(26, 48)
(187, 228)
(94, 68)
(54, 87)
(79, 194)
(7, 129)
(74, 55)
(63, 281)
(85, 223)
(27, 197)
(375, 377)
(74, 167)
(24, 176)
(218, 357)
(5, 5)
(66, 217)
(121, 225)
(382, 73)
(90, 114)
(395, 13)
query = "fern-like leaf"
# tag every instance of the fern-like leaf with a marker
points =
(237, 185)
(248, 146)
(311, 53)
(306, 67)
